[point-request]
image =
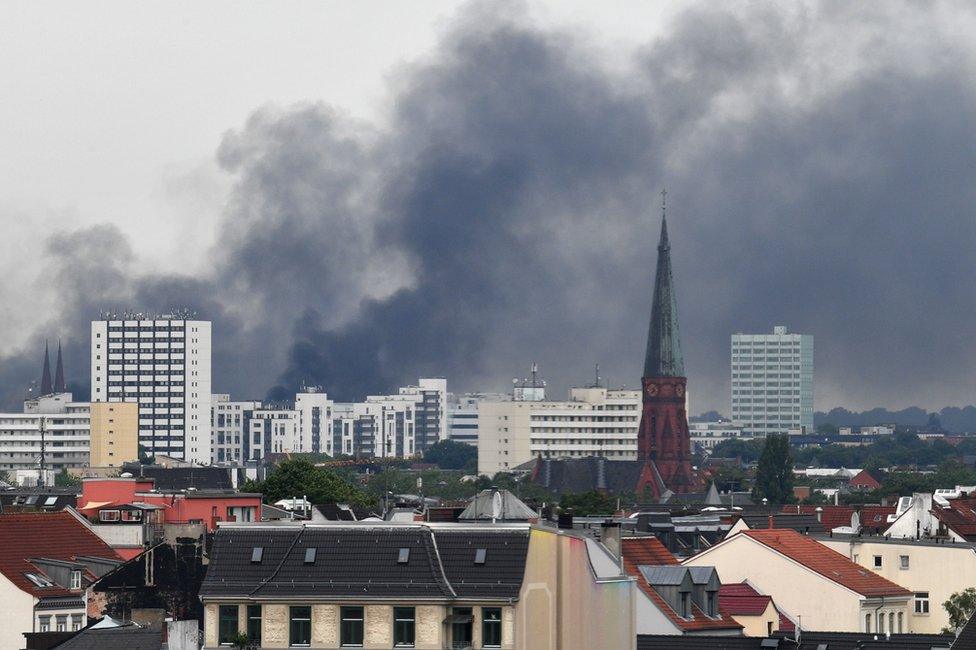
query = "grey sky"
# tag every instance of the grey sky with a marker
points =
(322, 177)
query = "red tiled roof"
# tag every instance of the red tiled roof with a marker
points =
(740, 599)
(50, 535)
(837, 516)
(827, 562)
(960, 517)
(649, 551)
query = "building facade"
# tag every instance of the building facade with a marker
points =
(163, 364)
(114, 433)
(230, 427)
(53, 430)
(772, 382)
(592, 422)
(705, 435)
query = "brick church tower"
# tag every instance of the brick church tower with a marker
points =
(663, 440)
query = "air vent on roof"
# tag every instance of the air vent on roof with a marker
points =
(310, 555)
(256, 554)
(480, 555)
(404, 556)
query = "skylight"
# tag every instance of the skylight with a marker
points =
(39, 580)
(256, 554)
(404, 556)
(480, 555)
(310, 555)
(50, 501)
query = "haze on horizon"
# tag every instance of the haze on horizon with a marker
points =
(357, 195)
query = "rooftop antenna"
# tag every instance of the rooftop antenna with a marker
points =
(535, 371)
(664, 202)
(596, 376)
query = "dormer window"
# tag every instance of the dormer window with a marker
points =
(711, 600)
(39, 580)
(685, 599)
(76, 579)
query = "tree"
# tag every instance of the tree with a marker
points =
(589, 503)
(5, 477)
(451, 454)
(960, 608)
(747, 450)
(64, 479)
(774, 475)
(297, 478)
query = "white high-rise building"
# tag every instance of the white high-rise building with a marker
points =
(462, 415)
(230, 429)
(315, 409)
(772, 382)
(594, 421)
(53, 423)
(163, 363)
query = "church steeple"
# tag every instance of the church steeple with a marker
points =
(663, 357)
(46, 388)
(59, 372)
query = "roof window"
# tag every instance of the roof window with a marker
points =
(50, 501)
(310, 555)
(480, 555)
(404, 556)
(39, 580)
(256, 554)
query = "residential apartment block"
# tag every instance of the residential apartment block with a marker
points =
(772, 382)
(114, 433)
(594, 421)
(230, 427)
(163, 364)
(53, 427)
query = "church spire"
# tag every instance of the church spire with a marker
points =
(59, 372)
(46, 388)
(663, 358)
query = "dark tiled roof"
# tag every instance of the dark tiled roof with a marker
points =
(50, 535)
(587, 474)
(695, 642)
(361, 560)
(801, 523)
(825, 561)
(129, 637)
(343, 511)
(967, 635)
(808, 641)
(180, 478)
(37, 499)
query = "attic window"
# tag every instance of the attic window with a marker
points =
(39, 580)
(256, 554)
(32, 499)
(404, 556)
(310, 555)
(480, 555)
(50, 501)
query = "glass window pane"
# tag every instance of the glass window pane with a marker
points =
(254, 624)
(300, 631)
(404, 627)
(351, 627)
(227, 627)
(491, 627)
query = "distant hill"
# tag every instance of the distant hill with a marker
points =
(953, 418)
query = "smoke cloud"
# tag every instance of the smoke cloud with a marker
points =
(819, 160)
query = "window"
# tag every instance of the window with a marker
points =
(881, 622)
(877, 561)
(76, 579)
(226, 624)
(300, 629)
(901, 621)
(44, 623)
(462, 632)
(404, 556)
(904, 561)
(491, 627)
(922, 602)
(685, 597)
(480, 555)
(891, 622)
(108, 515)
(254, 624)
(710, 603)
(256, 554)
(76, 622)
(310, 555)
(351, 627)
(867, 622)
(404, 626)
(131, 515)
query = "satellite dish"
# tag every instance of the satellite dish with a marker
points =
(496, 505)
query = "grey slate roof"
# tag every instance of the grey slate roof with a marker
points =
(664, 575)
(181, 478)
(808, 641)
(967, 635)
(360, 560)
(575, 475)
(129, 637)
(509, 507)
(800, 523)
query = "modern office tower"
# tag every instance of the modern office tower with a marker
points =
(163, 364)
(594, 421)
(114, 433)
(772, 382)
(229, 429)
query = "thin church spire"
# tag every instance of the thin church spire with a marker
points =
(663, 357)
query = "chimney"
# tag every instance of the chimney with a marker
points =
(772, 521)
(819, 511)
(610, 536)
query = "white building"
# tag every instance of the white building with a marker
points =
(772, 382)
(593, 422)
(315, 413)
(273, 431)
(230, 428)
(705, 435)
(55, 422)
(163, 364)
(462, 415)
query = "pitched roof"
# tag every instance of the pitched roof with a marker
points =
(808, 641)
(180, 478)
(643, 552)
(363, 560)
(575, 475)
(126, 637)
(825, 561)
(663, 357)
(960, 517)
(836, 516)
(967, 635)
(498, 504)
(740, 599)
(802, 523)
(696, 642)
(48, 535)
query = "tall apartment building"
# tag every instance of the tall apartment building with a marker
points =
(163, 364)
(315, 411)
(772, 382)
(462, 415)
(53, 427)
(230, 429)
(114, 433)
(594, 421)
